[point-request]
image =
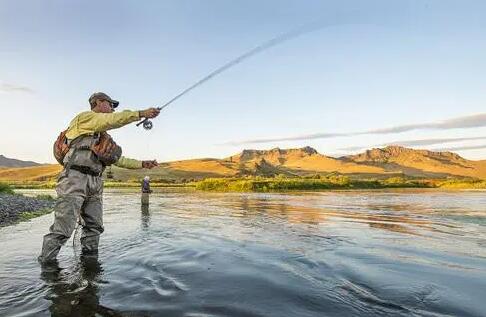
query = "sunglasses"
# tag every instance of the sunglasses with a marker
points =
(113, 105)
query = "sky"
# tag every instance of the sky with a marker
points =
(366, 74)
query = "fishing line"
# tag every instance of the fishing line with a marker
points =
(147, 124)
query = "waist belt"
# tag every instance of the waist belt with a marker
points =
(85, 170)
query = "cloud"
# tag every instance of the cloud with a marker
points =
(462, 148)
(471, 121)
(303, 137)
(6, 88)
(417, 142)
(356, 148)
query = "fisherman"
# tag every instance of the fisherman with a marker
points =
(85, 153)
(146, 191)
(146, 185)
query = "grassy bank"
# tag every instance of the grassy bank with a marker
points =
(107, 184)
(462, 184)
(259, 184)
(263, 184)
(33, 184)
(27, 215)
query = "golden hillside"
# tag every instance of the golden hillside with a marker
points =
(301, 161)
(33, 173)
(419, 162)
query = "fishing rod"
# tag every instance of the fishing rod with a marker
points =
(147, 124)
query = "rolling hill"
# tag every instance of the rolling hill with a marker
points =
(9, 162)
(32, 173)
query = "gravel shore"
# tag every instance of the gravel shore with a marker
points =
(12, 206)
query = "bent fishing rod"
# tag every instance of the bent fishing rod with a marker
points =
(147, 124)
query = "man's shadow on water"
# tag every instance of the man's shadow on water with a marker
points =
(75, 293)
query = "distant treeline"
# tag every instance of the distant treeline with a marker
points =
(260, 184)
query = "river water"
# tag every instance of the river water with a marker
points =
(356, 253)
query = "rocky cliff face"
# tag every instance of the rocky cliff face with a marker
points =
(274, 156)
(418, 162)
(391, 159)
(390, 153)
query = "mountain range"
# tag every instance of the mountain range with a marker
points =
(378, 162)
(9, 162)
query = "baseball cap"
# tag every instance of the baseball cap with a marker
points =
(102, 96)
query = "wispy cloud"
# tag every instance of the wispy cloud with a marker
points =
(296, 138)
(417, 142)
(471, 121)
(6, 88)
(462, 148)
(356, 148)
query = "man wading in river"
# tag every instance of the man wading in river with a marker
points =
(85, 149)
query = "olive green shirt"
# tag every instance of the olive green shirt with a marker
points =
(90, 122)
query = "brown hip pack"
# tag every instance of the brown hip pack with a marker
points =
(103, 147)
(106, 150)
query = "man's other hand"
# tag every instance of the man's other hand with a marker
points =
(149, 113)
(149, 164)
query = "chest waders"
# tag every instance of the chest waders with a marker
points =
(79, 189)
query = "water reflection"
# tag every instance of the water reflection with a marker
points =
(145, 216)
(389, 217)
(76, 292)
(293, 214)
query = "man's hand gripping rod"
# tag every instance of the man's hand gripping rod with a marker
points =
(147, 123)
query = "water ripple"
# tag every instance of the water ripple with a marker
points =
(401, 253)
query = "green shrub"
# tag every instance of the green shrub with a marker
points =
(463, 184)
(6, 189)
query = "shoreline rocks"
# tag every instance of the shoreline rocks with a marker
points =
(13, 206)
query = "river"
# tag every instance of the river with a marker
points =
(344, 253)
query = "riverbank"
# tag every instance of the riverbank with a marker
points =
(292, 184)
(278, 184)
(107, 184)
(15, 207)
(259, 184)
